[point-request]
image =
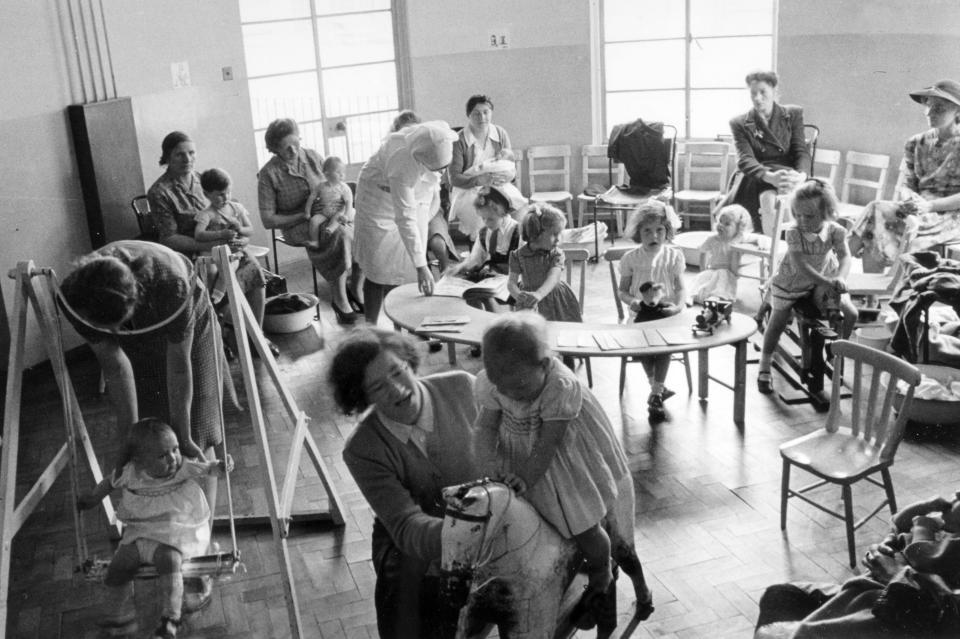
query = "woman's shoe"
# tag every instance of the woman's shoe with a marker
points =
(765, 382)
(344, 317)
(354, 302)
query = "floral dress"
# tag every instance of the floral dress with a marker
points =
(534, 265)
(580, 485)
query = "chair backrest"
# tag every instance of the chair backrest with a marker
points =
(709, 159)
(596, 168)
(811, 133)
(634, 144)
(612, 256)
(577, 257)
(141, 208)
(829, 161)
(875, 377)
(557, 159)
(856, 165)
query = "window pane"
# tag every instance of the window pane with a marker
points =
(365, 132)
(724, 62)
(257, 10)
(711, 111)
(372, 87)
(663, 106)
(355, 39)
(644, 65)
(278, 47)
(640, 19)
(327, 7)
(288, 96)
(731, 17)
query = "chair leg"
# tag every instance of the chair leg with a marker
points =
(848, 521)
(623, 374)
(784, 490)
(316, 287)
(569, 204)
(586, 361)
(888, 486)
(686, 368)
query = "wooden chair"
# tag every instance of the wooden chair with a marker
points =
(596, 170)
(141, 209)
(558, 154)
(772, 252)
(827, 165)
(858, 442)
(612, 256)
(856, 165)
(705, 168)
(577, 258)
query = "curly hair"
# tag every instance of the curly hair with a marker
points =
(103, 289)
(742, 222)
(649, 212)
(818, 193)
(541, 218)
(277, 130)
(521, 336)
(762, 75)
(349, 365)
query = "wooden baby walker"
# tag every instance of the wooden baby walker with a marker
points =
(37, 288)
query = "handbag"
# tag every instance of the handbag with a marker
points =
(276, 284)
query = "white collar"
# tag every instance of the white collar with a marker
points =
(417, 431)
(493, 134)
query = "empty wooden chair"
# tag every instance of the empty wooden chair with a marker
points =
(868, 173)
(704, 166)
(551, 164)
(827, 165)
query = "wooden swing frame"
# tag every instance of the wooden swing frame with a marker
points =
(13, 515)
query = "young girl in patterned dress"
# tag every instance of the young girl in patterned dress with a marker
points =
(817, 261)
(166, 520)
(543, 432)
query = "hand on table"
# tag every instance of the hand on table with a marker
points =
(425, 280)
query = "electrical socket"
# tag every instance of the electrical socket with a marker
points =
(227, 73)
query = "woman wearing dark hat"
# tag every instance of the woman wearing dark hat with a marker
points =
(927, 210)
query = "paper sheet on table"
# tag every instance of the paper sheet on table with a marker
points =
(630, 339)
(433, 328)
(575, 339)
(676, 336)
(606, 342)
(653, 337)
(444, 320)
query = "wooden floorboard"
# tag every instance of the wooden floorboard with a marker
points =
(707, 526)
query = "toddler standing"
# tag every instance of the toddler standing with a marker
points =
(166, 520)
(223, 222)
(546, 435)
(718, 275)
(653, 261)
(817, 261)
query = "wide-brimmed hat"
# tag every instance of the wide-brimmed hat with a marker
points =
(947, 89)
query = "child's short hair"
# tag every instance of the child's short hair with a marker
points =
(215, 180)
(647, 286)
(521, 335)
(539, 218)
(818, 193)
(332, 163)
(403, 119)
(488, 195)
(143, 433)
(742, 222)
(650, 212)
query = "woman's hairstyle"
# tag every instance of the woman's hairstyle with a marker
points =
(742, 222)
(143, 434)
(404, 118)
(215, 180)
(474, 100)
(352, 357)
(170, 143)
(539, 218)
(818, 193)
(277, 130)
(770, 77)
(650, 212)
(102, 289)
(521, 336)
(488, 195)
(331, 164)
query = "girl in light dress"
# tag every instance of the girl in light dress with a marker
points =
(653, 261)
(543, 432)
(166, 520)
(718, 276)
(817, 261)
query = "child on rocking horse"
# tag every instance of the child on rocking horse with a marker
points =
(542, 432)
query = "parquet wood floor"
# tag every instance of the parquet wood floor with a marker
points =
(707, 525)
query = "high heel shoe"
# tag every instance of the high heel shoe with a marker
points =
(343, 317)
(354, 302)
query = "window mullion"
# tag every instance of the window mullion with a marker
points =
(316, 50)
(686, 69)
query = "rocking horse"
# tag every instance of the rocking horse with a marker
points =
(503, 565)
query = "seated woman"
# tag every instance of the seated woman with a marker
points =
(414, 442)
(772, 155)
(927, 210)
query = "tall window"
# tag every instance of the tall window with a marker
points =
(328, 64)
(683, 61)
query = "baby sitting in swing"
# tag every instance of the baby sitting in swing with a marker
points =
(166, 520)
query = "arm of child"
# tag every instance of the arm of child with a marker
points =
(626, 282)
(348, 204)
(523, 299)
(679, 289)
(842, 250)
(551, 434)
(201, 234)
(89, 500)
(308, 207)
(246, 226)
(550, 283)
(903, 519)
(485, 441)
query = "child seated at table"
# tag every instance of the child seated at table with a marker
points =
(718, 276)
(657, 262)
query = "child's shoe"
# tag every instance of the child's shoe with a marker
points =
(655, 405)
(122, 625)
(765, 382)
(167, 629)
(667, 393)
